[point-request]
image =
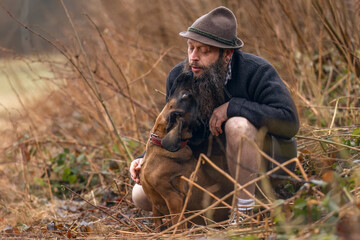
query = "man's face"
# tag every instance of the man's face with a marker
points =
(201, 56)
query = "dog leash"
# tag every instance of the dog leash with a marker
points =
(155, 139)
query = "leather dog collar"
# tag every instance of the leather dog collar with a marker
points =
(155, 139)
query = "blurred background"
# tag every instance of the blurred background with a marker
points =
(81, 83)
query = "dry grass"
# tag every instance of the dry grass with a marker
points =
(111, 71)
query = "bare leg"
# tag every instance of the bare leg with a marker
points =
(140, 199)
(250, 158)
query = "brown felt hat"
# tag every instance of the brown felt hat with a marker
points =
(216, 28)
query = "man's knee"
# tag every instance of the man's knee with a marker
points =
(241, 135)
(140, 199)
(239, 126)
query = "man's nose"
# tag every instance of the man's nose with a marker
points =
(194, 55)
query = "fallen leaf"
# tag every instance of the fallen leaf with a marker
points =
(16, 230)
(59, 227)
(328, 176)
(85, 229)
(8, 229)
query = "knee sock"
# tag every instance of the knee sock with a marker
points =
(245, 204)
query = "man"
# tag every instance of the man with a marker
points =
(239, 93)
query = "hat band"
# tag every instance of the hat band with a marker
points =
(213, 37)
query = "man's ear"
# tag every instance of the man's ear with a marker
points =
(227, 54)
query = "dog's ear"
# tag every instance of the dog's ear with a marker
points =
(172, 140)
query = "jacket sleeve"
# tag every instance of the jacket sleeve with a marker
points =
(141, 156)
(268, 104)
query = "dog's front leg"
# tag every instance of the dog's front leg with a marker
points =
(157, 218)
(174, 201)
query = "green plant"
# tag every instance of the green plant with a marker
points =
(71, 169)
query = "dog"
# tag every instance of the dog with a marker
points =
(168, 157)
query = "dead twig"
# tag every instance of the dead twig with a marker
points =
(96, 90)
(121, 73)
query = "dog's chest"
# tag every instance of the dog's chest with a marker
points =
(163, 165)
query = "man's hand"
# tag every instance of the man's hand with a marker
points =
(135, 169)
(218, 116)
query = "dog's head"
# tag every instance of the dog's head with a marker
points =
(180, 113)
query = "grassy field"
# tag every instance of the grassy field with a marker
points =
(22, 84)
(71, 122)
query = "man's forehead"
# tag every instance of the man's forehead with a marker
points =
(198, 44)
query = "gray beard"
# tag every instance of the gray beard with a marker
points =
(209, 88)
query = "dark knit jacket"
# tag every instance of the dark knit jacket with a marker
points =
(257, 93)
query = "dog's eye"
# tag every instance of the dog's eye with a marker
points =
(186, 95)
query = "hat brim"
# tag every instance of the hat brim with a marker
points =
(209, 41)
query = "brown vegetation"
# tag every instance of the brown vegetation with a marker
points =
(103, 87)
